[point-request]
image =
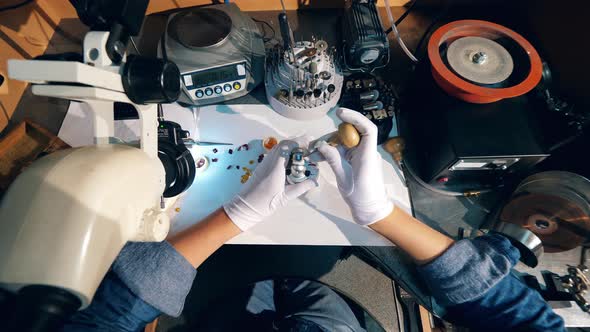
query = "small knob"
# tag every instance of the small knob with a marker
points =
(153, 226)
(313, 67)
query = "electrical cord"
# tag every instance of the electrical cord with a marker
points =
(402, 17)
(134, 45)
(15, 6)
(430, 27)
(405, 14)
(396, 33)
(266, 40)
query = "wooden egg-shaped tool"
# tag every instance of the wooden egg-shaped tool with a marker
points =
(395, 146)
(347, 135)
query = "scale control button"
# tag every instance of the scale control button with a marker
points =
(208, 91)
(218, 89)
(227, 87)
(237, 85)
(199, 93)
(241, 70)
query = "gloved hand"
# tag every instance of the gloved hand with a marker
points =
(266, 191)
(359, 173)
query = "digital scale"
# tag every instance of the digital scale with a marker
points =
(219, 51)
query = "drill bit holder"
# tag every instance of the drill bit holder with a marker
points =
(303, 82)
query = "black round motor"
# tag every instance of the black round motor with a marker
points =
(151, 80)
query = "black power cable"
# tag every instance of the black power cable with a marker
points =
(15, 6)
(426, 35)
(265, 39)
(401, 18)
(428, 30)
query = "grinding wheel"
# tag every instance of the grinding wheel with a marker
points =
(555, 206)
(476, 60)
(480, 60)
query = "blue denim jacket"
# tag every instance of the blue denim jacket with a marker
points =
(472, 279)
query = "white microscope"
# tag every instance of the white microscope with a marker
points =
(66, 217)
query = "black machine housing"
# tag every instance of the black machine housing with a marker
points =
(365, 43)
(458, 146)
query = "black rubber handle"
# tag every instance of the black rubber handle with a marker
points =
(286, 31)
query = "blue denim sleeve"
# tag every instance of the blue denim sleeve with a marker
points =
(156, 273)
(472, 278)
(113, 308)
(146, 279)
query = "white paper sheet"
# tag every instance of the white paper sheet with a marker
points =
(320, 217)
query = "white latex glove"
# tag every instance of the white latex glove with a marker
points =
(359, 172)
(266, 191)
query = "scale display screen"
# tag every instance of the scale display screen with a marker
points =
(218, 75)
(213, 76)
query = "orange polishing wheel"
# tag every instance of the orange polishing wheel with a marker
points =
(483, 62)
